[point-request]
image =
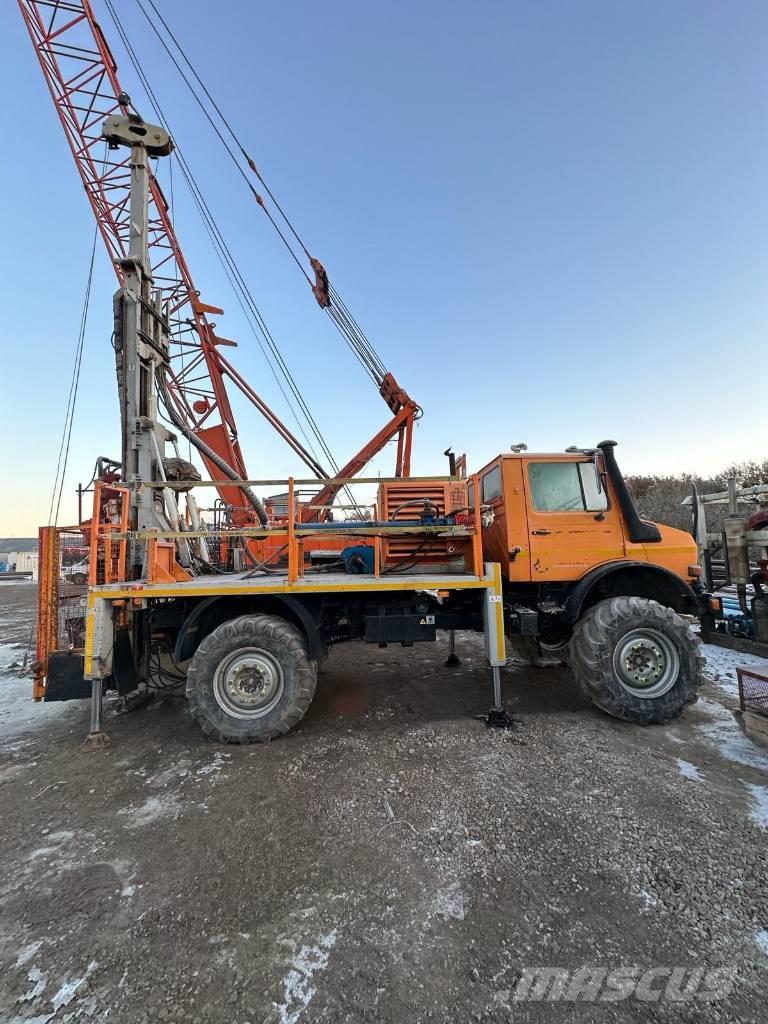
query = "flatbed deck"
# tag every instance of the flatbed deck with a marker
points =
(101, 599)
(311, 583)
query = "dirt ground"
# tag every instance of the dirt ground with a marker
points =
(391, 860)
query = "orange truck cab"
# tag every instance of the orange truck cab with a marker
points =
(584, 571)
(558, 517)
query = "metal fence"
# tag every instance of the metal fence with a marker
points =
(753, 691)
(61, 596)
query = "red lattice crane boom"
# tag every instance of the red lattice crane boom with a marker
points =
(82, 78)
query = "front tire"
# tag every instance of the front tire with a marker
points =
(251, 679)
(637, 660)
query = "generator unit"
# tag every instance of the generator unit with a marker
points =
(427, 501)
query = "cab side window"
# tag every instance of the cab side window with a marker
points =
(566, 487)
(491, 484)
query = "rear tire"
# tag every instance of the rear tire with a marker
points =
(251, 679)
(637, 660)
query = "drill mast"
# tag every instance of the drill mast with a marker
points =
(142, 331)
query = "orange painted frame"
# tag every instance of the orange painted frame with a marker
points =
(101, 531)
(47, 605)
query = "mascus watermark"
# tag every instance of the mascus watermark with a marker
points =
(612, 985)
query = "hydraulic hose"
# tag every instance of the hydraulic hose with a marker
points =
(214, 457)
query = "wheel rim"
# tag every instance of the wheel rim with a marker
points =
(646, 663)
(248, 683)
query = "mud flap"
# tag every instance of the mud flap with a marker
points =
(125, 677)
(64, 679)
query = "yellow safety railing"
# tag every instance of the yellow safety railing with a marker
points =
(294, 533)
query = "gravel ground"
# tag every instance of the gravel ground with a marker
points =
(391, 860)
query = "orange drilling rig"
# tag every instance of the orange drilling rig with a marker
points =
(545, 552)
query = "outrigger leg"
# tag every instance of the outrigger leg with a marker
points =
(96, 738)
(452, 660)
(495, 648)
(497, 717)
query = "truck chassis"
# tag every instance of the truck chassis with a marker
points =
(319, 613)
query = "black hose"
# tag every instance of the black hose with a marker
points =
(213, 456)
(262, 566)
(424, 502)
(407, 561)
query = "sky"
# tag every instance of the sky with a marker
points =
(549, 217)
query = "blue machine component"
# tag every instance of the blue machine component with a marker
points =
(731, 607)
(734, 622)
(736, 625)
(359, 558)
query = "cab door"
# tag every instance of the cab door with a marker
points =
(573, 524)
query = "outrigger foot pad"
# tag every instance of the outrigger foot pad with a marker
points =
(498, 718)
(95, 741)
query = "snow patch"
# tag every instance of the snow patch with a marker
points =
(219, 761)
(42, 1018)
(761, 940)
(68, 990)
(689, 771)
(449, 905)
(61, 837)
(298, 990)
(169, 774)
(151, 810)
(722, 664)
(39, 981)
(759, 812)
(43, 851)
(57, 838)
(724, 732)
(20, 718)
(649, 900)
(26, 954)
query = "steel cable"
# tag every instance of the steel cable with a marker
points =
(69, 417)
(346, 323)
